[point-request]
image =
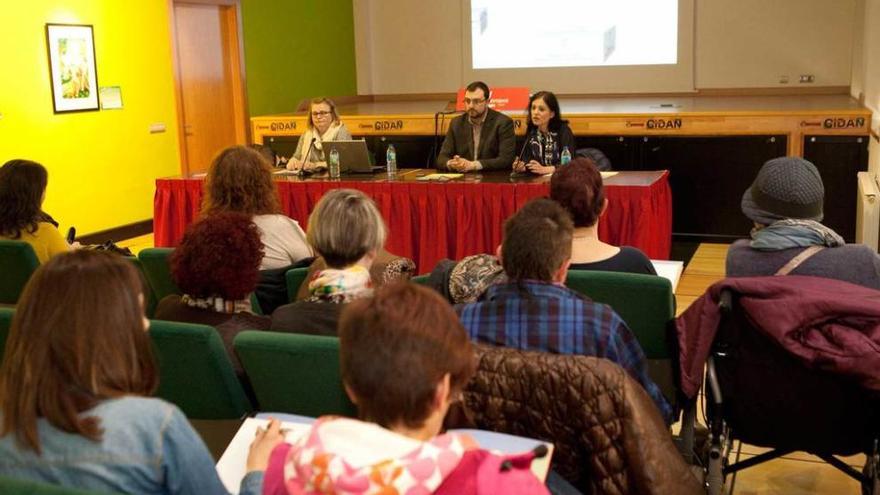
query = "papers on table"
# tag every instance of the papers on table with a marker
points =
(606, 175)
(441, 177)
(669, 269)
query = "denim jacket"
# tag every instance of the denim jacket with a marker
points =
(147, 447)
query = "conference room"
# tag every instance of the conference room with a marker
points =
(628, 246)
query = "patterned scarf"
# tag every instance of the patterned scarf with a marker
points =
(792, 233)
(341, 286)
(218, 304)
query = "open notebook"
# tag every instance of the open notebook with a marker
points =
(231, 466)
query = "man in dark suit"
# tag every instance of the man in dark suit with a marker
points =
(480, 128)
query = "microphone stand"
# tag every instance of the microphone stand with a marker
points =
(302, 168)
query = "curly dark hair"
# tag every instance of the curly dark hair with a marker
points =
(240, 180)
(22, 183)
(219, 256)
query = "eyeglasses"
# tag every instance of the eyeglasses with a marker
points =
(474, 101)
(322, 113)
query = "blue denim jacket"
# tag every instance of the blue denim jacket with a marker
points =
(147, 447)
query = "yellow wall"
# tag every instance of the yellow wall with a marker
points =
(102, 164)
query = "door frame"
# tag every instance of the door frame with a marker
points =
(231, 10)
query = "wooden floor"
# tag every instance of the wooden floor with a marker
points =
(796, 474)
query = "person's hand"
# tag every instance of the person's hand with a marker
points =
(536, 168)
(75, 245)
(453, 163)
(261, 448)
(519, 166)
(294, 164)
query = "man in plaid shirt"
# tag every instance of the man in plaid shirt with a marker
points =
(535, 311)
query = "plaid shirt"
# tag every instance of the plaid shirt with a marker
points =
(542, 316)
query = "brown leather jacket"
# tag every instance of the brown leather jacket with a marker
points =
(608, 435)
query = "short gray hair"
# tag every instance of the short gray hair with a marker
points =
(344, 226)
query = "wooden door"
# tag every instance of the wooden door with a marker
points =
(211, 101)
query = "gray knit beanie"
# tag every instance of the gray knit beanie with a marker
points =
(787, 187)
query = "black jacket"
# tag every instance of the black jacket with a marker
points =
(497, 141)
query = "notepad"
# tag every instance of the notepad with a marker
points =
(606, 175)
(441, 177)
(232, 464)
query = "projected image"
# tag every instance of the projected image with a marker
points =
(573, 33)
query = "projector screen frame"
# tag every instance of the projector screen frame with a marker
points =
(666, 78)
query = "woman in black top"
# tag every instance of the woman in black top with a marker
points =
(547, 135)
(578, 188)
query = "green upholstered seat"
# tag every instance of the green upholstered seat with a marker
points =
(294, 373)
(157, 270)
(295, 278)
(12, 486)
(195, 372)
(149, 298)
(420, 279)
(17, 262)
(647, 305)
(6, 315)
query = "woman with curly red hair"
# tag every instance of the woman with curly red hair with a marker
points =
(216, 267)
(240, 180)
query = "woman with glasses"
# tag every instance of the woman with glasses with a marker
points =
(324, 125)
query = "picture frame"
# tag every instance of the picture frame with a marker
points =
(72, 67)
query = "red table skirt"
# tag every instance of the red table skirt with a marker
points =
(431, 221)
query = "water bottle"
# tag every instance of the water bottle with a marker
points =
(565, 158)
(333, 164)
(391, 161)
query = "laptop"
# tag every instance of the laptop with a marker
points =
(353, 156)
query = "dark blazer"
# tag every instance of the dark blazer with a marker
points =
(497, 141)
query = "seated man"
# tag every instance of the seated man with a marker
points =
(535, 311)
(786, 205)
(481, 138)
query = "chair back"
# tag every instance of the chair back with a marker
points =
(294, 373)
(157, 270)
(294, 279)
(12, 486)
(771, 399)
(647, 305)
(6, 315)
(195, 372)
(421, 279)
(149, 297)
(17, 262)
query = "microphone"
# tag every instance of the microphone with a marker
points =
(529, 138)
(302, 169)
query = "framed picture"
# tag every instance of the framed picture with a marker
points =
(72, 67)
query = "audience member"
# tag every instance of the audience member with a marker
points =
(547, 135)
(785, 202)
(323, 125)
(535, 311)
(404, 359)
(240, 180)
(75, 385)
(346, 229)
(578, 188)
(216, 268)
(479, 139)
(22, 191)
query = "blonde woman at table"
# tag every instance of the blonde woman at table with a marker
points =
(578, 188)
(324, 125)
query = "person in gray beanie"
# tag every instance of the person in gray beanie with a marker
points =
(785, 203)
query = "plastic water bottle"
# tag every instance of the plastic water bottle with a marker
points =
(333, 164)
(565, 158)
(391, 161)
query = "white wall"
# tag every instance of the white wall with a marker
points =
(420, 46)
(866, 71)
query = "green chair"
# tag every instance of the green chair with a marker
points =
(17, 262)
(647, 305)
(420, 279)
(157, 270)
(295, 278)
(195, 372)
(12, 486)
(294, 373)
(149, 297)
(6, 315)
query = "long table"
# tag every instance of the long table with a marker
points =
(429, 221)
